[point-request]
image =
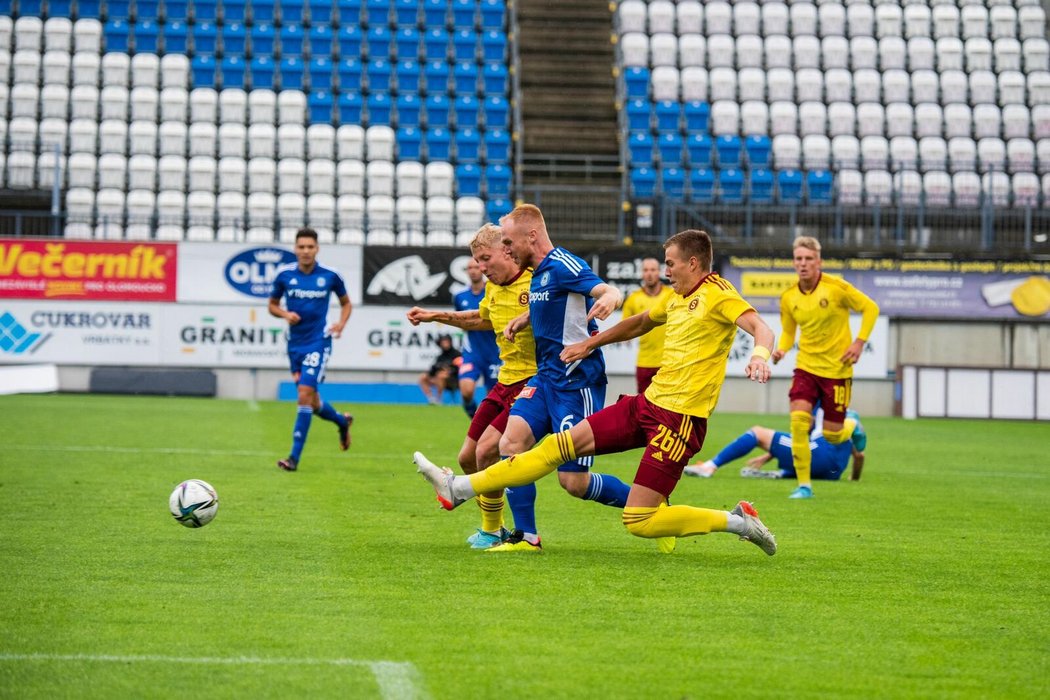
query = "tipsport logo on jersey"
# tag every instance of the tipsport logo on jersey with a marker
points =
(413, 276)
(252, 272)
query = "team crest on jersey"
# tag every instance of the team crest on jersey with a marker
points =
(523, 299)
(320, 281)
(526, 392)
(545, 279)
(693, 303)
(294, 281)
(823, 303)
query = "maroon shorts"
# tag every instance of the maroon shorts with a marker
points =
(494, 409)
(670, 439)
(643, 377)
(833, 395)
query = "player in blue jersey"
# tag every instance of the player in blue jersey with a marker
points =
(829, 460)
(306, 289)
(480, 353)
(565, 299)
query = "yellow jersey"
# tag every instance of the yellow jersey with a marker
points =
(650, 345)
(701, 327)
(501, 305)
(823, 316)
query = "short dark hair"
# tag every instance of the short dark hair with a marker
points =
(693, 243)
(306, 232)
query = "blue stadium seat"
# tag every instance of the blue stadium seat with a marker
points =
(636, 80)
(319, 106)
(498, 180)
(116, 34)
(320, 12)
(233, 70)
(321, 73)
(263, 40)
(702, 186)
(466, 107)
(464, 45)
(438, 107)
(64, 8)
(819, 183)
(789, 185)
(435, 44)
(409, 110)
(378, 72)
(492, 14)
(494, 46)
(173, 9)
(761, 186)
(409, 143)
(464, 14)
(379, 109)
(408, 42)
(379, 40)
(232, 10)
(758, 149)
(728, 148)
(261, 11)
(407, 76)
(465, 78)
(234, 39)
(205, 10)
(696, 117)
(439, 144)
(291, 41)
(291, 73)
(292, 11)
(34, 8)
(262, 70)
(698, 146)
(205, 38)
(348, 12)
(673, 180)
(320, 41)
(435, 13)
(406, 12)
(203, 69)
(643, 182)
(349, 70)
(468, 179)
(670, 147)
(497, 111)
(377, 13)
(731, 186)
(351, 40)
(146, 33)
(495, 77)
(638, 115)
(640, 146)
(175, 37)
(498, 207)
(350, 108)
(468, 145)
(435, 75)
(497, 146)
(668, 116)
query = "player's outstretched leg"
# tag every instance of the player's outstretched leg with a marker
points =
(683, 521)
(756, 533)
(441, 478)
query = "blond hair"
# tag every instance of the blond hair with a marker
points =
(488, 236)
(808, 242)
(528, 214)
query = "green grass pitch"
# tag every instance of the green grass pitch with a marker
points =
(926, 579)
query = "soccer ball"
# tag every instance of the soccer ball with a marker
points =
(193, 503)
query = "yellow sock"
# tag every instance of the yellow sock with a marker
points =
(800, 455)
(844, 433)
(527, 467)
(491, 512)
(673, 521)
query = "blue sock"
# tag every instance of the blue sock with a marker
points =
(471, 407)
(302, 427)
(328, 413)
(522, 502)
(607, 490)
(736, 449)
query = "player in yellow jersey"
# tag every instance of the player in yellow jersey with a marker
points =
(650, 295)
(819, 305)
(669, 420)
(506, 298)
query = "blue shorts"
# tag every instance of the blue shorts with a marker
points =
(309, 362)
(477, 368)
(827, 462)
(548, 410)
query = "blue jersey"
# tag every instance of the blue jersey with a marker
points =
(307, 295)
(559, 301)
(480, 347)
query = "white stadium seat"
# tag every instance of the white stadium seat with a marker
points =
(262, 175)
(291, 108)
(778, 51)
(987, 121)
(80, 205)
(749, 51)
(928, 119)
(262, 141)
(262, 107)
(692, 50)
(171, 173)
(863, 53)
(291, 176)
(174, 104)
(664, 83)
(783, 118)
(945, 21)
(172, 139)
(320, 176)
(874, 152)
(204, 105)
(631, 16)
(723, 84)
(812, 118)
(962, 154)
(908, 186)
(634, 49)
(87, 35)
(109, 207)
(904, 153)
(958, 120)
(780, 84)
(746, 18)
(1025, 188)
(320, 215)
(175, 71)
(1020, 155)
(661, 16)
(694, 84)
(291, 141)
(721, 49)
(787, 152)
(440, 212)
(350, 175)
(145, 70)
(116, 70)
(725, 118)
(900, 119)
(663, 50)
(832, 19)
(809, 85)
(842, 119)
(320, 141)
(689, 17)
(937, 188)
(379, 177)
(1016, 121)
(233, 171)
(140, 208)
(171, 213)
(719, 17)
(850, 186)
(233, 140)
(439, 177)
(878, 188)
(350, 141)
(410, 176)
(803, 19)
(834, 52)
(816, 152)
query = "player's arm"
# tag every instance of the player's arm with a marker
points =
(344, 315)
(275, 309)
(468, 320)
(858, 465)
(516, 324)
(859, 301)
(628, 328)
(787, 334)
(760, 461)
(607, 298)
(750, 322)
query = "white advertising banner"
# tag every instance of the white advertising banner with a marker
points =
(243, 273)
(212, 335)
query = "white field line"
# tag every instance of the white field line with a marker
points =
(396, 679)
(177, 451)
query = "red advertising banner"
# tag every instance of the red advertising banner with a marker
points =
(89, 270)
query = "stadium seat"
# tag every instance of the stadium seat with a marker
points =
(760, 186)
(672, 182)
(730, 186)
(643, 182)
(350, 177)
(702, 185)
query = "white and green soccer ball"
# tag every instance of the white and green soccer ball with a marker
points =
(194, 503)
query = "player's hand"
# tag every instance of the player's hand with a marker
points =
(757, 369)
(852, 354)
(516, 324)
(756, 462)
(417, 315)
(574, 352)
(293, 318)
(605, 305)
(776, 356)
(335, 330)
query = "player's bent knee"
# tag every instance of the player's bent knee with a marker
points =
(638, 521)
(575, 483)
